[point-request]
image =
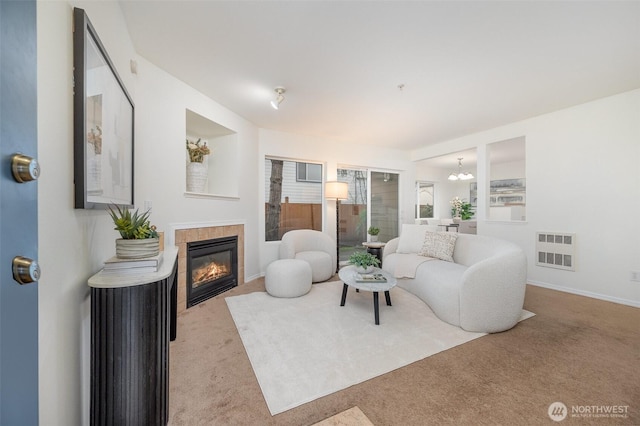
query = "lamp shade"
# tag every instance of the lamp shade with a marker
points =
(336, 190)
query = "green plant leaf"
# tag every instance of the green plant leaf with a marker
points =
(134, 226)
(363, 259)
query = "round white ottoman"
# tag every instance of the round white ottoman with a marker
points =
(288, 278)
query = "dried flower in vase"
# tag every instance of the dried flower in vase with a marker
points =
(197, 150)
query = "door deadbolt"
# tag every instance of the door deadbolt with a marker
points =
(25, 270)
(24, 168)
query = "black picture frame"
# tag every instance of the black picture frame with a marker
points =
(103, 129)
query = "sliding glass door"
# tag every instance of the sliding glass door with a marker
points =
(353, 211)
(373, 201)
(384, 204)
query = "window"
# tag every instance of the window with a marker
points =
(309, 172)
(384, 202)
(291, 203)
(424, 200)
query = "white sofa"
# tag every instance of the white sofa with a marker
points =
(482, 290)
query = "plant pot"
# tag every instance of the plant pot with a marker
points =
(137, 249)
(367, 270)
(197, 174)
(457, 220)
(373, 238)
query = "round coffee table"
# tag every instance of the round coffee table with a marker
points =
(349, 277)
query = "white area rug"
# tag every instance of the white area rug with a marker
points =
(307, 347)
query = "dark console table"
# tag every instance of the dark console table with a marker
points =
(133, 318)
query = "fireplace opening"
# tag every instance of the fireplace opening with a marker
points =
(212, 268)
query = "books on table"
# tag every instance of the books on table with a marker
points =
(116, 265)
(370, 278)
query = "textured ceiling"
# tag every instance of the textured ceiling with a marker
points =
(465, 66)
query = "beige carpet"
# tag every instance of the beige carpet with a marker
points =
(307, 347)
(351, 417)
(576, 350)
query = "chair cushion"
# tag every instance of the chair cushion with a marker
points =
(321, 264)
(302, 240)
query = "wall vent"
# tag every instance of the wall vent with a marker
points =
(556, 250)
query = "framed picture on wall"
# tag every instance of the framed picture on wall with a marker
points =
(103, 120)
(507, 192)
(502, 192)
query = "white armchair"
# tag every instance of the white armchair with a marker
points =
(314, 247)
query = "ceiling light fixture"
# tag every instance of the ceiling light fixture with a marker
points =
(460, 175)
(279, 98)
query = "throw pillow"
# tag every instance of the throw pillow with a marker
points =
(439, 245)
(412, 237)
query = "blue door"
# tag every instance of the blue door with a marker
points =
(18, 216)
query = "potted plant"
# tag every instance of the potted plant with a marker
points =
(460, 209)
(373, 232)
(139, 237)
(363, 261)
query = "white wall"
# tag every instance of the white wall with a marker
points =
(224, 162)
(582, 177)
(74, 243)
(332, 155)
(510, 170)
(160, 158)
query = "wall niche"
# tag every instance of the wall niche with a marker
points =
(221, 165)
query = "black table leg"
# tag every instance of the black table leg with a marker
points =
(344, 294)
(387, 296)
(376, 310)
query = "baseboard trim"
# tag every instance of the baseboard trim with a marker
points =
(253, 277)
(635, 304)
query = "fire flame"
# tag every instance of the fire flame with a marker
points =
(210, 272)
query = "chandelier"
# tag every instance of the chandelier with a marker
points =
(460, 175)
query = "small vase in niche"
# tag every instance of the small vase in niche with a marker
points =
(197, 174)
(197, 166)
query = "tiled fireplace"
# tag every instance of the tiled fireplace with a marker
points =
(186, 235)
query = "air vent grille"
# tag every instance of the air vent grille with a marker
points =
(556, 250)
